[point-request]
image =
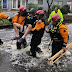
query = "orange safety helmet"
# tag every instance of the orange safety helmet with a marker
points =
(39, 12)
(55, 17)
(22, 8)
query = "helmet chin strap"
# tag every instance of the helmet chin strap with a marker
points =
(59, 23)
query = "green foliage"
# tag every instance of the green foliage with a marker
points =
(32, 6)
(40, 8)
(0, 5)
(65, 9)
(1, 22)
(46, 22)
(4, 22)
(55, 6)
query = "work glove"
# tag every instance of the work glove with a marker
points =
(10, 20)
(1, 42)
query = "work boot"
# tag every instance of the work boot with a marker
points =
(38, 50)
(24, 43)
(1, 42)
(18, 45)
(33, 54)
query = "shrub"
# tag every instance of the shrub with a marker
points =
(65, 9)
(40, 8)
(46, 22)
(0, 5)
(4, 22)
(67, 18)
(32, 6)
(55, 6)
(1, 22)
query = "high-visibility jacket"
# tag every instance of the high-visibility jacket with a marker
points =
(3, 16)
(53, 13)
(60, 33)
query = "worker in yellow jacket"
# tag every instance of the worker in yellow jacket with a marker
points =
(56, 11)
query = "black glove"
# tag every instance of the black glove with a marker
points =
(1, 42)
(10, 20)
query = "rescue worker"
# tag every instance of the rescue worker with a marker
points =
(4, 16)
(31, 13)
(31, 16)
(37, 30)
(19, 20)
(56, 11)
(59, 34)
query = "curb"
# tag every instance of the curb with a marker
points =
(5, 26)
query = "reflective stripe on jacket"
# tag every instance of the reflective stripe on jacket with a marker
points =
(60, 33)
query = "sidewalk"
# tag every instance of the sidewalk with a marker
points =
(69, 13)
(10, 13)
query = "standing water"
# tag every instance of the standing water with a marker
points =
(13, 60)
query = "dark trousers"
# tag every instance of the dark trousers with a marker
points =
(35, 41)
(56, 47)
(23, 43)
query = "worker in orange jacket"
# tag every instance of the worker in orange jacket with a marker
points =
(4, 16)
(37, 29)
(59, 34)
(19, 20)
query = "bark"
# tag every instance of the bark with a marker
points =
(49, 6)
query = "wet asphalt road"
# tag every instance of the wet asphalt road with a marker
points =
(6, 65)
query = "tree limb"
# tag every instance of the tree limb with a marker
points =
(48, 2)
(51, 2)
